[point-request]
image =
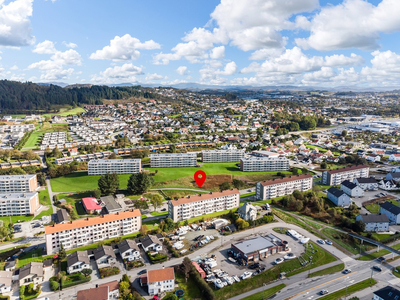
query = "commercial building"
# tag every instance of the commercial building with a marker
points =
(91, 230)
(173, 160)
(374, 222)
(212, 156)
(15, 204)
(259, 247)
(253, 164)
(18, 183)
(282, 186)
(391, 211)
(351, 189)
(203, 204)
(118, 166)
(338, 197)
(335, 177)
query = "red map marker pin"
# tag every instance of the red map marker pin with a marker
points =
(200, 177)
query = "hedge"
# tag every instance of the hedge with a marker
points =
(105, 272)
(157, 258)
(68, 284)
(202, 285)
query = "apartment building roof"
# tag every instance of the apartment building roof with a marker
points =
(346, 169)
(349, 184)
(160, 275)
(113, 161)
(99, 293)
(285, 179)
(191, 154)
(367, 180)
(200, 197)
(92, 221)
(375, 218)
(16, 177)
(17, 195)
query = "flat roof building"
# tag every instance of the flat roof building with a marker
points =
(212, 156)
(15, 204)
(255, 164)
(91, 230)
(118, 166)
(173, 160)
(203, 204)
(18, 183)
(335, 177)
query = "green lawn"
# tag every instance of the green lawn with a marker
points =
(350, 290)
(247, 195)
(156, 213)
(373, 208)
(292, 267)
(396, 271)
(211, 216)
(33, 141)
(266, 294)
(330, 270)
(75, 199)
(66, 112)
(42, 200)
(14, 219)
(374, 255)
(192, 291)
(31, 256)
(45, 212)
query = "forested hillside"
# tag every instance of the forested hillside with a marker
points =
(17, 97)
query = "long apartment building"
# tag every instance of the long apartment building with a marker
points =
(15, 204)
(282, 186)
(335, 177)
(118, 166)
(203, 204)
(18, 183)
(91, 230)
(173, 160)
(252, 164)
(212, 156)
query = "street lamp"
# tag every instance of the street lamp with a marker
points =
(345, 296)
(264, 285)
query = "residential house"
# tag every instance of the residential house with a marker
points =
(374, 222)
(150, 242)
(373, 158)
(9, 265)
(32, 272)
(394, 157)
(338, 197)
(367, 184)
(129, 250)
(104, 256)
(388, 185)
(113, 289)
(5, 281)
(98, 293)
(351, 189)
(387, 293)
(393, 176)
(247, 212)
(91, 205)
(160, 281)
(62, 216)
(78, 261)
(391, 211)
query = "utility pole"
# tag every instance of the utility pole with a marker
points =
(372, 272)
(263, 290)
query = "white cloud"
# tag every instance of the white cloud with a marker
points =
(70, 45)
(14, 67)
(230, 69)
(15, 25)
(352, 24)
(155, 76)
(218, 52)
(46, 47)
(124, 48)
(125, 73)
(210, 75)
(181, 70)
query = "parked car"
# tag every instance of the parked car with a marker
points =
(346, 271)
(142, 272)
(278, 261)
(376, 268)
(254, 266)
(328, 242)
(289, 256)
(320, 242)
(245, 275)
(381, 259)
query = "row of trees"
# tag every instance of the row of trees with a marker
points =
(138, 183)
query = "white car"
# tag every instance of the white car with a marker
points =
(278, 261)
(236, 278)
(218, 283)
(289, 256)
(245, 275)
(321, 242)
(328, 242)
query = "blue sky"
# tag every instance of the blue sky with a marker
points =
(227, 42)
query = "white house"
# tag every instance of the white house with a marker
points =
(129, 250)
(150, 242)
(351, 189)
(247, 212)
(366, 184)
(113, 289)
(338, 197)
(104, 256)
(78, 261)
(5, 281)
(373, 158)
(394, 157)
(387, 185)
(161, 280)
(386, 293)
(391, 211)
(374, 222)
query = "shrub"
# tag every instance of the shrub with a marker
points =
(54, 285)
(157, 258)
(106, 272)
(202, 285)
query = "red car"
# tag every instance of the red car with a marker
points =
(156, 298)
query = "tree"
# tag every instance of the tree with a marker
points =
(359, 226)
(112, 156)
(56, 153)
(87, 272)
(62, 254)
(139, 183)
(225, 186)
(97, 193)
(238, 184)
(344, 133)
(141, 204)
(53, 285)
(155, 199)
(143, 230)
(108, 184)
(324, 165)
(30, 155)
(172, 148)
(187, 267)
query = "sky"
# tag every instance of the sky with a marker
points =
(314, 43)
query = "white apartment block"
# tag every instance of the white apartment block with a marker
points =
(18, 183)
(212, 156)
(15, 204)
(254, 164)
(118, 166)
(91, 230)
(335, 177)
(203, 204)
(173, 160)
(282, 186)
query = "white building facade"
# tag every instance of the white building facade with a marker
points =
(18, 183)
(15, 204)
(282, 186)
(256, 164)
(118, 166)
(335, 177)
(173, 160)
(212, 156)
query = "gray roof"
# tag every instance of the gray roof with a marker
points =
(78, 256)
(395, 175)
(9, 264)
(335, 192)
(35, 268)
(148, 240)
(387, 293)
(5, 278)
(375, 218)
(349, 184)
(62, 215)
(391, 208)
(253, 245)
(367, 180)
(127, 245)
(102, 251)
(110, 203)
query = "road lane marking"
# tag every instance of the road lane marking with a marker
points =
(306, 291)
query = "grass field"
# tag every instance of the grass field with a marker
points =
(42, 194)
(14, 219)
(375, 255)
(396, 271)
(47, 211)
(35, 139)
(66, 112)
(156, 213)
(247, 195)
(29, 257)
(373, 208)
(266, 294)
(330, 270)
(350, 290)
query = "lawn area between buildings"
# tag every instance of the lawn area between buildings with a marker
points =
(266, 294)
(247, 195)
(156, 213)
(190, 287)
(330, 270)
(375, 255)
(42, 194)
(350, 290)
(66, 112)
(291, 267)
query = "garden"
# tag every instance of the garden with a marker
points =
(29, 292)
(106, 272)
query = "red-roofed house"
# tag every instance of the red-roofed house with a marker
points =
(90, 204)
(394, 157)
